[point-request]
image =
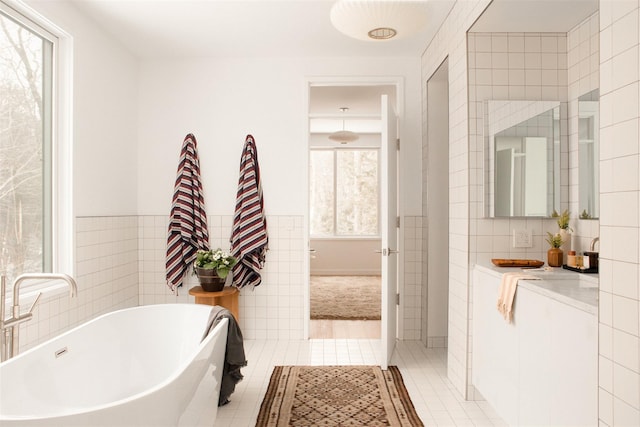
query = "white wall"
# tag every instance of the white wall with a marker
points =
(104, 115)
(222, 100)
(436, 209)
(345, 256)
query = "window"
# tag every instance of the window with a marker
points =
(344, 193)
(26, 117)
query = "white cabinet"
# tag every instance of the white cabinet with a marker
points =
(541, 369)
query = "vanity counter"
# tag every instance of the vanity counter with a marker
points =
(542, 367)
(575, 289)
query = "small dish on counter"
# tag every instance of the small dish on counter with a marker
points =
(533, 263)
(591, 270)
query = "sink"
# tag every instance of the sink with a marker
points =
(583, 280)
(588, 283)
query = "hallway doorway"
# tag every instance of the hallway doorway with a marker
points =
(344, 199)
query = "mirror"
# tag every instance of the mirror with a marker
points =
(588, 152)
(522, 152)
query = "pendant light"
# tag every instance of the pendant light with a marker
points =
(379, 19)
(343, 136)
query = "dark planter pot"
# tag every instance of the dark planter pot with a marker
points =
(209, 280)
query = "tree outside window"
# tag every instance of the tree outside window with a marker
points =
(344, 193)
(24, 135)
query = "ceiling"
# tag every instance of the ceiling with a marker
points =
(295, 28)
(363, 102)
(244, 28)
(540, 16)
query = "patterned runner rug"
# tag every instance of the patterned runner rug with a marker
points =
(336, 396)
(346, 297)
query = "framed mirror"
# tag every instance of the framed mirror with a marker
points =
(522, 152)
(588, 155)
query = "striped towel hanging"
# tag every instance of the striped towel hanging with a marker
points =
(249, 240)
(188, 230)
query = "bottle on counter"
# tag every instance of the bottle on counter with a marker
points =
(585, 261)
(571, 259)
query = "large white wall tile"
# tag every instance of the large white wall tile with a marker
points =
(626, 385)
(625, 68)
(625, 314)
(625, 31)
(605, 407)
(624, 414)
(625, 351)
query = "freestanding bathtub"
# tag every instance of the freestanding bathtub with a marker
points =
(143, 366)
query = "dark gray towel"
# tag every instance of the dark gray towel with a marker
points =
(234, 357)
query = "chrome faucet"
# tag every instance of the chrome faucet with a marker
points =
(592, 247)
(11, 326)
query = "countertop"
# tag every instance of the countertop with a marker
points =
(568, 287)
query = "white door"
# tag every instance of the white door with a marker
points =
(389, 213)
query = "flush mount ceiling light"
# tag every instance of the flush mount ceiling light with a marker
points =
(343, 136)
(378, 19)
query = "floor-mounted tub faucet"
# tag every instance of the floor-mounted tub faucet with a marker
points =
(11, 327)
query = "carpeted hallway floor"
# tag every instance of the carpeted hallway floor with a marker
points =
(345, 307)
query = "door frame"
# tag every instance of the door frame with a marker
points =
(311, 81)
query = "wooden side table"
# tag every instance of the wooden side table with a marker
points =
(227, 298)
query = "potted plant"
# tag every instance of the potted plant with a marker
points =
(554, 254)
(212, 268)
(564, 230)
(585, 215)
(563, 220)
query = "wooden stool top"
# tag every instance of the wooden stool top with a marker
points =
(197, 291)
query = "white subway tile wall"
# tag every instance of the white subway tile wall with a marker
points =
(424, 248)
(545, 78)
(411, 299)
(106, 273)
(273, 310)
(583, 76)
(121, 263)
(511, 66)
(451, 42)
(619, 329)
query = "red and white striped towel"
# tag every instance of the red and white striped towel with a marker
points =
(188, 230)
(249, 240)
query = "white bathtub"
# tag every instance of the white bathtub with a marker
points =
(143, 366)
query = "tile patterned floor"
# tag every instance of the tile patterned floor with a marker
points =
(423, 371)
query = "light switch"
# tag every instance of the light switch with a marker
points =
(522, 239)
